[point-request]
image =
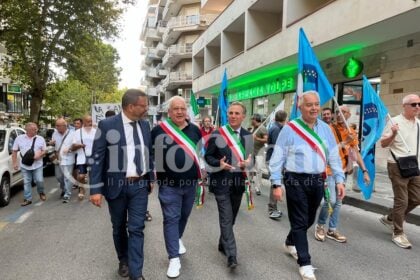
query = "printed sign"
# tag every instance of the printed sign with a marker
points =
(99, 110)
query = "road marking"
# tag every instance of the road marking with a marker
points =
(2, 225)
(24, 217)
(15, 216)
(39, 203)
(53, 190)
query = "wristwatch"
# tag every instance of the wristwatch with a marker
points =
(275, 186)
(364, 171)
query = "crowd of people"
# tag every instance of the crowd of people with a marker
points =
(308, 160)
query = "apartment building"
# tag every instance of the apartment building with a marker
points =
(256, 41)
(169, 31)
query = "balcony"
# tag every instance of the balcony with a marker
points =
(161, 49)
(151, 56)
(173, 7)
(152, 91)
(143, 51)
(178, 25)
(176, 79)
(151, 35)
(152, 73)
(176, 53)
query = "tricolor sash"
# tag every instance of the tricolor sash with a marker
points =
(310, 137)
(238, 150)
(190, 148)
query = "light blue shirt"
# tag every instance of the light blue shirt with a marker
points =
(293, 153)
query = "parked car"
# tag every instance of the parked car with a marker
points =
(48, 165)
(9, 176)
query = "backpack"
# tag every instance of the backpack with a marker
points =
(28, 157)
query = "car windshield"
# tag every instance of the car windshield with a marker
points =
(2, 139)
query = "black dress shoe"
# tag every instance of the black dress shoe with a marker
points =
(221, 249)
(123, 269)
(232, 262)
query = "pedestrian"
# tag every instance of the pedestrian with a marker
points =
(206, 129)
(77, 123)
(299, 161)
(348, 144)
(406, 189)
(178, 170)
(260, 135)
(280, 120)
(62, 139)
(228, 156)
(122, 172)
(327, 115)
(82, 144)
(32, 149)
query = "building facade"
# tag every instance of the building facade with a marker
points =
(169, 30)
(256, 41)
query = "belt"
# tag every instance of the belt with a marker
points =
(131, 180)
(322, 175)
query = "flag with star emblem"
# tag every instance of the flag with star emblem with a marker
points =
(310, 76)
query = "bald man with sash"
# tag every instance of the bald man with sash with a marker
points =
(303, 150)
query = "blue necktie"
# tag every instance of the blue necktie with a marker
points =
(137, 154)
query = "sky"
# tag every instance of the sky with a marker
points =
(129, 45)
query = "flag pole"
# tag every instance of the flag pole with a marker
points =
(339, 110)
(267, 118)
(398, 132)
(216, 118)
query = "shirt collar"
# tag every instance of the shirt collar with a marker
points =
(125, 119)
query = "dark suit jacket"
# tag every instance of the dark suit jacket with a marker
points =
(108, 171)
(223, 181)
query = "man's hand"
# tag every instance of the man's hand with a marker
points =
(15, 165)
(150, 187)
(278, 194)
(245, 163)
(394, 129)
(341, 191)
(96, 199)
(366, 178)
(203, 174)
(224, 165)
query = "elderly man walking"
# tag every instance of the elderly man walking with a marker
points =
(178, 170)
(31, 170)
(406, 189)
(303, 149)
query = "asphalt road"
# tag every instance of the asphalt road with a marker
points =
(52, 240)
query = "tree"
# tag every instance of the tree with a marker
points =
(95, 66)
(68, 98)
(43, 33)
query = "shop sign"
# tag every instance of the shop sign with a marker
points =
(14, 89)
(270, 87)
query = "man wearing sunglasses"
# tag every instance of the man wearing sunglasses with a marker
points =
(406, 190)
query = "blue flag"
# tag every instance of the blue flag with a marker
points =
(310, 75)
(374, 120)
(223, 101)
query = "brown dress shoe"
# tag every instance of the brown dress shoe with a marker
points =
(123, 269)
(42, 196)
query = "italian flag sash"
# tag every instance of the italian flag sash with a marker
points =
(190, 148)
(238, 151)
(307, 134)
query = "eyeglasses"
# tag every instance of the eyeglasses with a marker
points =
(414, 104)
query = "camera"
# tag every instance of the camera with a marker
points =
(52, 155)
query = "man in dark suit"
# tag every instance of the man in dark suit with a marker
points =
(228, 156)
(122, 172)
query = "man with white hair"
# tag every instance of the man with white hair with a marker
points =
(406, 189)
(299, 161)
(178, 170)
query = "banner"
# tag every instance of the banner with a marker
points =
(99, 110)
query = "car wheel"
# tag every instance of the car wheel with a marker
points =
(4, 191)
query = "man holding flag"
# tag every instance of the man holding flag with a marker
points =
(402, 137)
(178, 171)
(347, 142)
(228, 155)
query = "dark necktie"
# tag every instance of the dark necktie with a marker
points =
(137, 149)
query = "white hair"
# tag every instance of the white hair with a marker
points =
(313, 92)
(407, 98)
(175, 98)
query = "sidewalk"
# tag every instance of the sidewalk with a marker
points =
(381, 200)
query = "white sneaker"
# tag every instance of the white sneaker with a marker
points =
(307, 272)
(401, 240)
(174, 267)
(182, 249)
(291, 250)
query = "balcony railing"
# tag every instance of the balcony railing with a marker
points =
(179, 51)
(177, 78)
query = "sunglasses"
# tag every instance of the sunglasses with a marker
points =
(414, 104)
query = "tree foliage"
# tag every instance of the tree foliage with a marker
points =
(40, 34)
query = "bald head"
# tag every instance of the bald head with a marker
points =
(61, 125)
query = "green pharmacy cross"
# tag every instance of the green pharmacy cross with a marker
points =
(352, 68)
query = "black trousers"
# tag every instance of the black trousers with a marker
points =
(304, 193)
(228, 206)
